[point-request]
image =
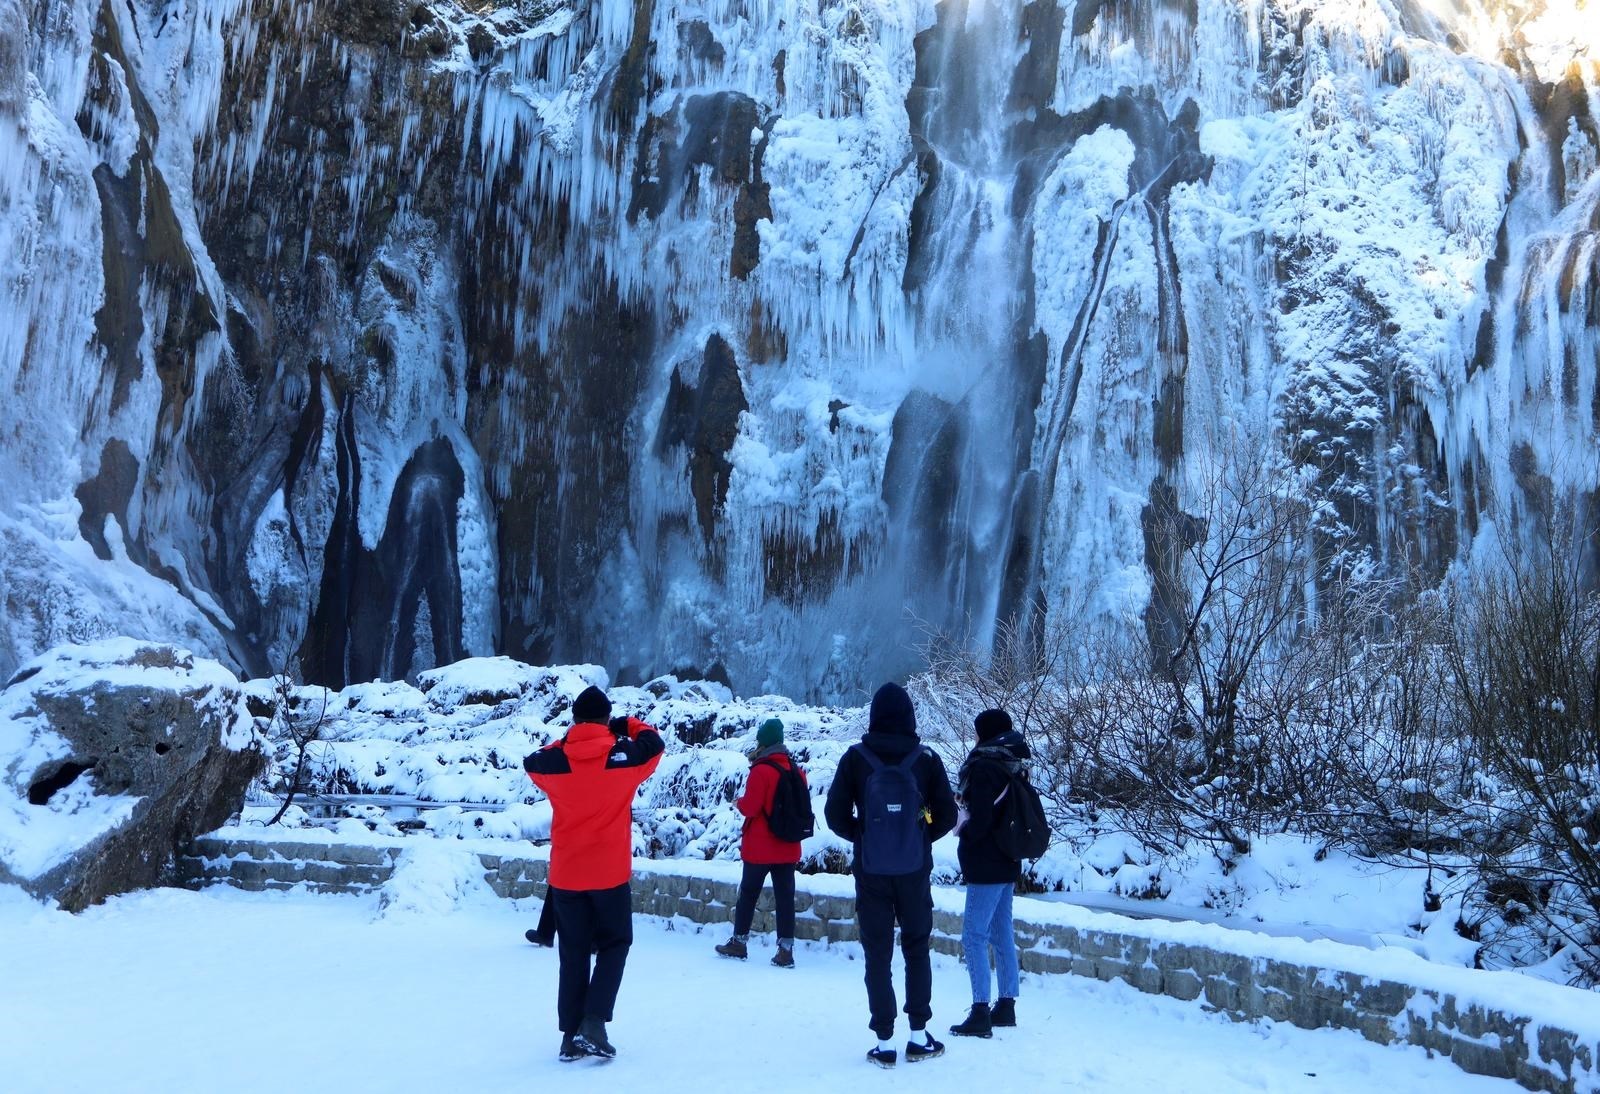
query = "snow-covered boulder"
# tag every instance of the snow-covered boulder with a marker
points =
(112, 756)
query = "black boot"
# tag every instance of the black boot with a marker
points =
(592, 1036)
(571, 1049)
(545, 940)
(979, 1023)
(1005, 1012)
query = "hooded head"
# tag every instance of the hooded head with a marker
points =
(770, 733)
(892, 712)
(591, 705)
(991, 724)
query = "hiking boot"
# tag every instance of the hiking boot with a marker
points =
(917, 1051)
(883, 1057)
(592, 1036)
(978, 1024)
(784, 958)
(571, 1049)
(1004, 1013)
(734, 947)
(545, 940)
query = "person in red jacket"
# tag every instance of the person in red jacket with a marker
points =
(762, 851)
(590, 777)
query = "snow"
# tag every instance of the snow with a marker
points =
(430, 879)
(1346, 947)
(57, 591)
(185, 990)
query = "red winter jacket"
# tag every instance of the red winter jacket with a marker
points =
(759, 845)
(590, 777)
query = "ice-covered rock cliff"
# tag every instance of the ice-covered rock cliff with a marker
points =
(759, 332)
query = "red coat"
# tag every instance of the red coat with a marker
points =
(759, 845)
(590, 777)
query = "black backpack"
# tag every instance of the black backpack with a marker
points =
(790, 817)
(1021, 830)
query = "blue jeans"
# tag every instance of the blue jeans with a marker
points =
(987, 922)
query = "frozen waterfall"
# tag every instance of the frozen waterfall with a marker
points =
(762, 337)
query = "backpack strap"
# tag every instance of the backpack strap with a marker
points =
(871, 757)
(911, 758)
(768, 761)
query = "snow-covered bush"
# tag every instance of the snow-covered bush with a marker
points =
(460, 735)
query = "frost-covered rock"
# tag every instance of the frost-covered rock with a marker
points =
(112, 756)
(490, 681)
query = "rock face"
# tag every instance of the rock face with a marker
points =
(112, 758)
(659, 332)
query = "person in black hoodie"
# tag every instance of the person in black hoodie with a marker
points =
(991, 875)
(891, 799)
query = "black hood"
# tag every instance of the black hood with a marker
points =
(1010, 742)
(892, 713)
(1008, 752)
(890, 746)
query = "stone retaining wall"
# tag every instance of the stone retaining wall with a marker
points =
(1479, 1039)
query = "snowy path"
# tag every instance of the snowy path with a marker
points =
(171, 991)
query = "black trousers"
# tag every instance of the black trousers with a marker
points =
(750, 885)
(594, 929)
(547, 915)
(881, 902)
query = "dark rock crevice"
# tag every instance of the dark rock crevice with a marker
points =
(703, 418)
(46, 786)
(107, 494)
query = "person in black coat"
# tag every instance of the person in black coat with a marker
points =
(991, 875)
(893, 878)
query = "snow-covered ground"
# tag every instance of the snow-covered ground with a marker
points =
(172, 991)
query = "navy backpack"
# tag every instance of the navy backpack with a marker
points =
(892, 834)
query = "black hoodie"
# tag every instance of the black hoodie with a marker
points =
(891, 733)
(983, 777)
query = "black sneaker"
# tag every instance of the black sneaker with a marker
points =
(883, 1057)
(545, 940)
(591, 1036)
(917, 1052)
(571, 1049)
(734, 948)
(978, 1023)
(1004, 1013)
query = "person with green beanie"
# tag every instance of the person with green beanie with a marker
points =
(775, 792)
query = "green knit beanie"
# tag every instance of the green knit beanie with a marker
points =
(770, 733)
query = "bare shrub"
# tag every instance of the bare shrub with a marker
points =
(296, 728)
(1455, 731)
(1231, 609)
(1525, 661)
